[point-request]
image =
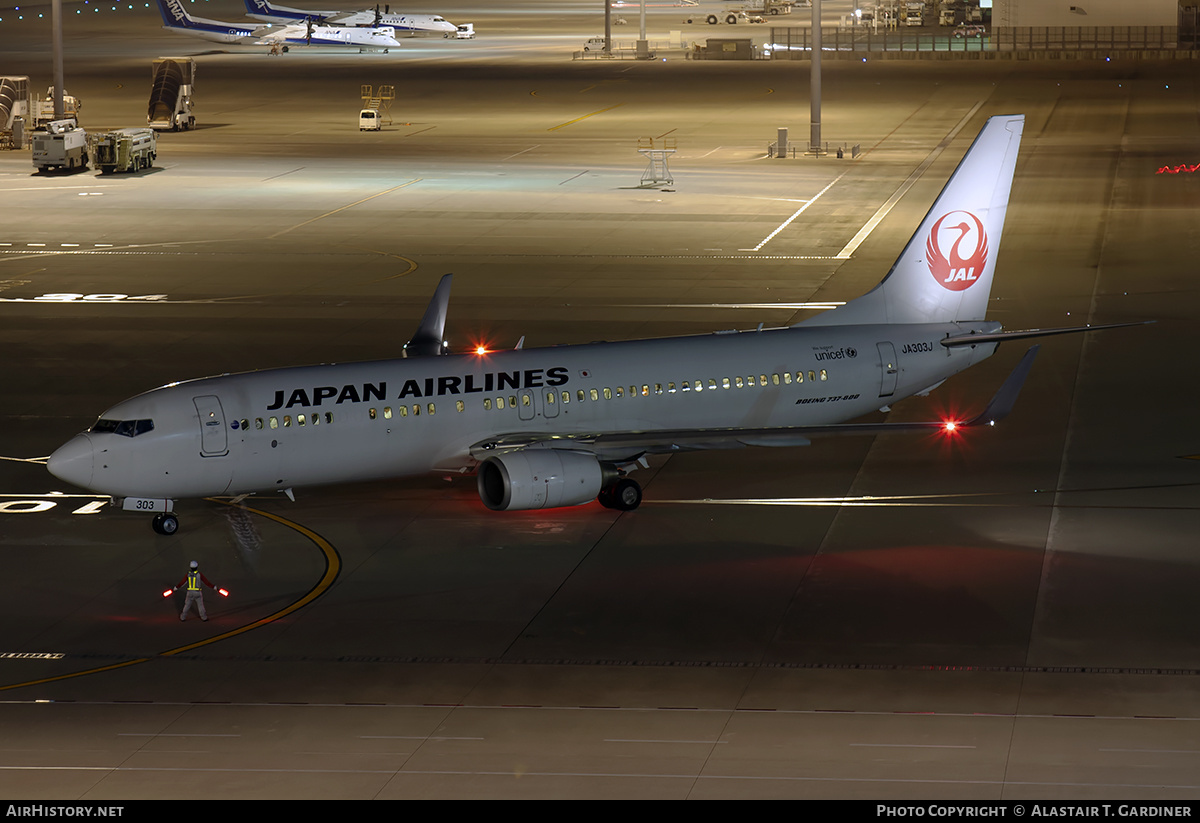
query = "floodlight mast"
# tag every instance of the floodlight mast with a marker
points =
(57, 48)
(608, 27)
(814, 135)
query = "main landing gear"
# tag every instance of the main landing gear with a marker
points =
(624, 495)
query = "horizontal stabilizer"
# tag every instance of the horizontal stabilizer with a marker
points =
(1021, 334)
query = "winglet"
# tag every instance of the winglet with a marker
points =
(428, 338)
(1006, 397)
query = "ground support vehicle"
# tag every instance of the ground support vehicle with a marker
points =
(61, 145)
(125, 150)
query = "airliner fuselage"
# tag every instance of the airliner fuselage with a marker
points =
(284, 428)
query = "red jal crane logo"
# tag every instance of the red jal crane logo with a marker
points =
(957, 250)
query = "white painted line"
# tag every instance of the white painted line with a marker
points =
(703, 743)
(797, 213)
(522, 151)
(910, 746)
(877, 218)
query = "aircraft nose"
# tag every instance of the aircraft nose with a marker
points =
(72, 461)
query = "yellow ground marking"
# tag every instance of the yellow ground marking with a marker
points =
(585, 117)
(333, 566)
(343, 208)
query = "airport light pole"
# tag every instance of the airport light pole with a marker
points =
(814, 134)
(608, 27)
(57, 49)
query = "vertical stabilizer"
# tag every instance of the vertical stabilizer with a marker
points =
(945, 272)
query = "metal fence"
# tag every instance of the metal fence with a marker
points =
(1073, 38)
(794, 42)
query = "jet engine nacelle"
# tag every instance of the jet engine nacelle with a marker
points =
(539, 479)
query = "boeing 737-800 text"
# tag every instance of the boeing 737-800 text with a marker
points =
(565, 425)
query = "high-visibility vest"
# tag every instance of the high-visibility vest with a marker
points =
(193, 581)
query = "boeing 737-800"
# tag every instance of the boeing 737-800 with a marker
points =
(405, 24)
(562, 426)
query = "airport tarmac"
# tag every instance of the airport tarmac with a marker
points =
(1005, 615)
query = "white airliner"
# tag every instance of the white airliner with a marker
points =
(562, 426)
(310, 34)
(405, 24)
(175, 18)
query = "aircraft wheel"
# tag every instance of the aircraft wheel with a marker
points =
(624, 495)
(731, 19)
(165, 524)
(711, 20)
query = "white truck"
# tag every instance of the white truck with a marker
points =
(125, 150)
(60, 145)
(914, 13)
(771, 7)
(732, 17)
(172, 82)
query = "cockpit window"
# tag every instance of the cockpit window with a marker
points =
(126, 428)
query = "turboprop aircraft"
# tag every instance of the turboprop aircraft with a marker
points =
(564, 425)
(406, 24)
(175, 18)
(310, 34)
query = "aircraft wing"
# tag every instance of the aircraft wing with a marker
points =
(349, 18)
(629, 445)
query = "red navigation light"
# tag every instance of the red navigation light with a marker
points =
(950, 427)
(481, 349)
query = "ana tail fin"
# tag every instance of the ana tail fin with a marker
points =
(945, 272)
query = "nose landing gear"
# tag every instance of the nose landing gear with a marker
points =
(165, 524)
